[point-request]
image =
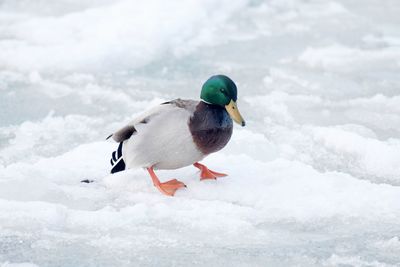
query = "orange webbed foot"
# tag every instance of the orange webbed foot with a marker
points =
(206, 174)
(167, 188)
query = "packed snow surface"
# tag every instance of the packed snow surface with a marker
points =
(314, 177)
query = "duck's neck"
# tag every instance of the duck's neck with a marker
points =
(211, 127)
(202, 100)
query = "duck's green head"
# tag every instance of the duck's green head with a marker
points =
(221, 90)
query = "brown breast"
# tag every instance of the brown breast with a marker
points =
(211, 127)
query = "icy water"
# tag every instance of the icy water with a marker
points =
(313, 178)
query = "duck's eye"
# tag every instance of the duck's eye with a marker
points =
(223, 91)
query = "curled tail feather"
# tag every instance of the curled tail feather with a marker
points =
(117, 162)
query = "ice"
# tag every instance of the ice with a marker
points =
(313, 177)
(120, 34)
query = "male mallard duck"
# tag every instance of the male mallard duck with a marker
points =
(179, 133)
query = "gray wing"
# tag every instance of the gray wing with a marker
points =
(127, 131)
(190, 105)
(123, 133)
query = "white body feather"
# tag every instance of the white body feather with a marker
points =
(164, 141)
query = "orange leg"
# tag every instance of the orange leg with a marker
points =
(205, 173)
(167, 188)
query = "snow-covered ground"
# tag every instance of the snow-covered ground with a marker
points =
(314, 177)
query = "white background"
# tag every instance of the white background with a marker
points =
(313, 178)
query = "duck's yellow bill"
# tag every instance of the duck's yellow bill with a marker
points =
(234, 113)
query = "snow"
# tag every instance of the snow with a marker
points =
(313, 177)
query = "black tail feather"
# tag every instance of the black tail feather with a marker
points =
(117, 162)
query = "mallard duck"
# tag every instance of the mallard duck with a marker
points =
(179, 133)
